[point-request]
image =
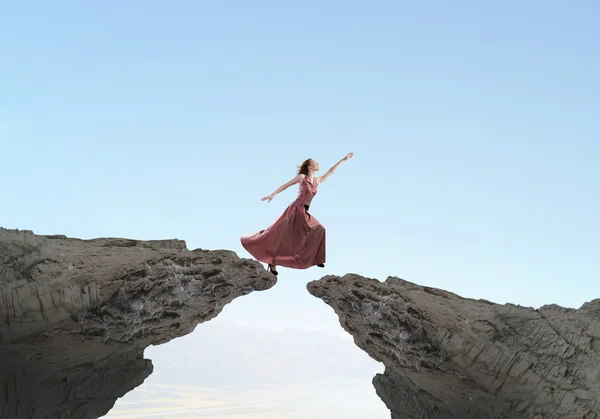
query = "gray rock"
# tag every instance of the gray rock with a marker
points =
(84, 391)
(72, 308)
(451, 357)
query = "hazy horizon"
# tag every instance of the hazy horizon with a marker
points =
(227, 370)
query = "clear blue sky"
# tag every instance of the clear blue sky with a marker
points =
(475, 129)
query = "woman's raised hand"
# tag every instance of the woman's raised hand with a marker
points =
(267, 198)
(348, 156)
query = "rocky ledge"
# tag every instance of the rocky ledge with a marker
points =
(451, 357)
(76, 315)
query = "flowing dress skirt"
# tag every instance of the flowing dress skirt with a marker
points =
(295, 240)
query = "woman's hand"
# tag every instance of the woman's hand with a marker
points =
(267, 198)
(348, 156)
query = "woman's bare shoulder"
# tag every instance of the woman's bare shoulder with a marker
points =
(296, 179)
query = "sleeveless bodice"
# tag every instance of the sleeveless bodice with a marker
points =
(307, 191)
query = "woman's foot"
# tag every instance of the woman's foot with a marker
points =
(272, 269)
(321, 265)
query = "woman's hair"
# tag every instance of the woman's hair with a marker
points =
(303, 168)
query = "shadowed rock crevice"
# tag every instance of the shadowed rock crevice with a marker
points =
(76, 315)
(453, 357)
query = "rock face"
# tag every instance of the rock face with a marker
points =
(450, 357)
(81, 312)
(84, 391)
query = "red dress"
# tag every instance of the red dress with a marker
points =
(296, 239)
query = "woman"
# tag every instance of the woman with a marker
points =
(296, 239)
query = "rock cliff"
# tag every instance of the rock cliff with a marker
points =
(451, 357)
(76, 315)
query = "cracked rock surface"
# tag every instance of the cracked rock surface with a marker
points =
(451, 357)
(80, 311)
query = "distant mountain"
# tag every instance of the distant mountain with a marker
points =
(224, 354)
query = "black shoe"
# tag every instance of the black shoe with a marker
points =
(321, 265)
(272, 271)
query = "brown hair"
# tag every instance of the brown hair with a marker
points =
(303, 169)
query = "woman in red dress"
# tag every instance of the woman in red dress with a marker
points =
(296, 239)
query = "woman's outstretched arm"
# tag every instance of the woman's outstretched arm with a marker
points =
(335, 166)
(283, 187)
